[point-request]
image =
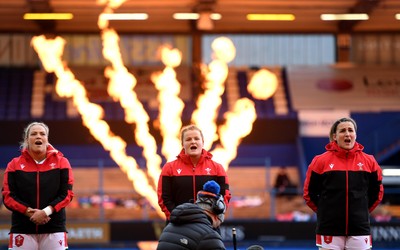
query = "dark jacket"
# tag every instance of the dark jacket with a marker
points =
(343, 187)
(28, 184)
(189, 228)
(180, 181)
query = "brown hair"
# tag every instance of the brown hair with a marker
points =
(336, 123)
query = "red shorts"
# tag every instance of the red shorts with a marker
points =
(361, 242)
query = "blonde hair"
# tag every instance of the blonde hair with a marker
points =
(336, 123)
(190, 127)
(24, 143)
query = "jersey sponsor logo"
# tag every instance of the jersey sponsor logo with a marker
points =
(328, 239)
(19, 240)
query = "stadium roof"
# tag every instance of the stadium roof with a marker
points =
(233, 13)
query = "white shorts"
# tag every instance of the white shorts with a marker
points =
(53, 241)
(361, 242)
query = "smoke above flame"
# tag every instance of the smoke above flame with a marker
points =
(121, 87)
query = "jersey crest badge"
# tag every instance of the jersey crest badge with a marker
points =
(19, 240)
(328, 239)
(360, 166)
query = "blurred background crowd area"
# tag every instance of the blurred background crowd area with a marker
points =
(290, 128)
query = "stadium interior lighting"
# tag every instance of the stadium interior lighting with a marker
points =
(270, 17)
(336, 17)
(391, 172)
(48, 16)
(186, 16)
(215, 16)
(125, 16)
(195, 16)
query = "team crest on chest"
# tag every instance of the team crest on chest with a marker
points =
(360, 166)
(208, 170)
(179, 170)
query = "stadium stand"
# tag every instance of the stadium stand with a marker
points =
(108, 195)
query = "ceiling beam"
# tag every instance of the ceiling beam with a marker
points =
(361, 6)
(42, 6)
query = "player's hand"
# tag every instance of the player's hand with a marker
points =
(39, 217)
(30, 211)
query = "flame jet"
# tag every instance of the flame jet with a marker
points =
(208, 103)
(50, 52)
(171, 106)
(239, 123)
(120, 87)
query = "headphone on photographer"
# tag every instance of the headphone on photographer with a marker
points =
(215, 202)
(219, 206)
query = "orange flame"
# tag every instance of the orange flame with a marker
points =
(121, 86)
(263, 84)
(171, 106)
(239, 124)
(208, 103)
(92, 114)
